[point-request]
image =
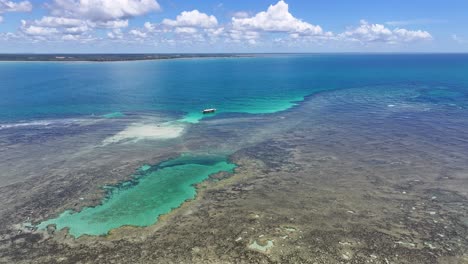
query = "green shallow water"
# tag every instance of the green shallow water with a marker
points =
(154, 191)
(252, 106)
(113, 115)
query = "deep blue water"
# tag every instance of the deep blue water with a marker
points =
(264, 84)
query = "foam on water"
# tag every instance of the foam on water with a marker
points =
(154, 191)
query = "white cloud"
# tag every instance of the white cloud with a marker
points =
(138, 33)
(80, 38)
(65, 22)
(34, 30)
(186, 30)
(194, 19)
(367, 33)
(67, 28)
(110, 24)
(405, 35)
(240, 14)
(189, 27)
(103, 10)
(238, 36)
(214, 32)
(49, 21)
(8, 36)
(78, 20)
(10, 6)
(149, 26)
(76, 30)
(415, 22)
(70, 37)
(276, 19)
(115, 34)
(54, 27)
(57, 29)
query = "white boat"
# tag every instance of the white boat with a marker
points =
(209, 111)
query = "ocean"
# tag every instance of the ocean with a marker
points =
(184, 87)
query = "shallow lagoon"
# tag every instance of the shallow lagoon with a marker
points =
(154, 191)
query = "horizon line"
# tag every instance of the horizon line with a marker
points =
(233, 53)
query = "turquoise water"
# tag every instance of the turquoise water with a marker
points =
(263, 84)
(154, 191)
(114, 115)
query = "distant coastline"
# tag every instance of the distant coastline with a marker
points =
(112, 57)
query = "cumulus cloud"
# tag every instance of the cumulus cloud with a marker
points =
(367, 33)
(277, 18)
(186, 30)
(54, 26)
(65, 28)
(34, 30)
(57, 29)
(149, 26)
(49, 21)
(8, 36)
(103, 10)
(189, 27)
(138, 33)
(11, 6)
(110, 24)
(192, 19)
(115, 34)
(215, 32)
(76, 19)
(238, 36)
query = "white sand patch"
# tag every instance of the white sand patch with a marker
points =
(137, 132)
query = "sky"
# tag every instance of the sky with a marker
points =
(189, 26)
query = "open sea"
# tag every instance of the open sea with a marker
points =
(32, 91)
(163, 100)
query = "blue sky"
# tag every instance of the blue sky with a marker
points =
(233, 26)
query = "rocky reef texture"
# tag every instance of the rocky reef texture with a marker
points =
(370, 178)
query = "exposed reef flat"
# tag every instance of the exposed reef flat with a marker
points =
(341, 178)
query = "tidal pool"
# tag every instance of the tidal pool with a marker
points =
(155, 190)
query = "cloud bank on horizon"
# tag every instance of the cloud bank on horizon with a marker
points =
(100, 22)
